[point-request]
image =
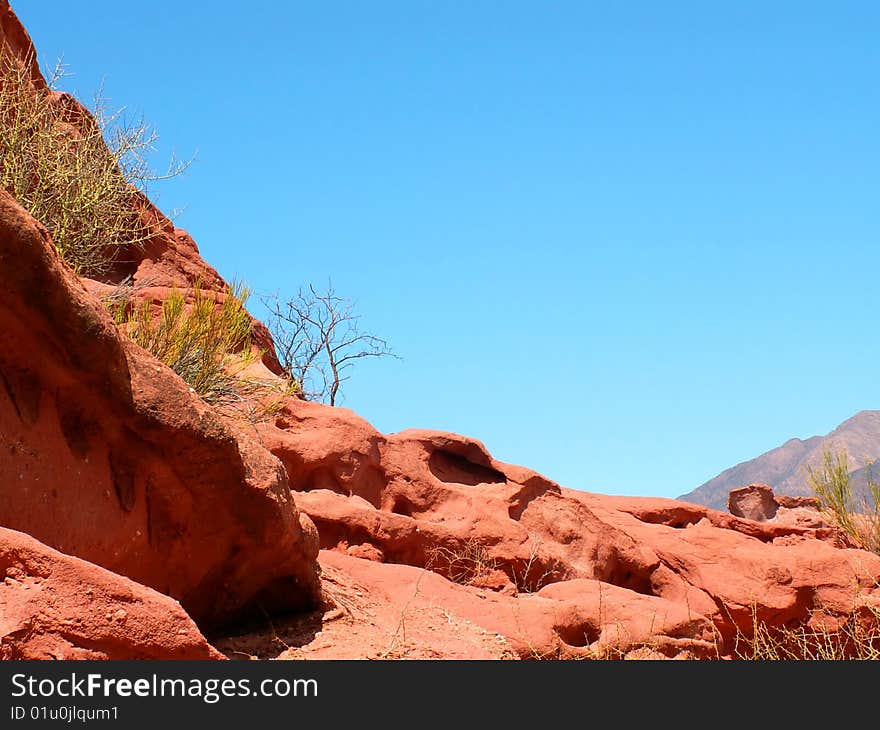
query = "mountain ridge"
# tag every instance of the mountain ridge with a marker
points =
(786, 467)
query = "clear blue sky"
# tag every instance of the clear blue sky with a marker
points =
(627, 244)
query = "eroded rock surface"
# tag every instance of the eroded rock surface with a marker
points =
(501, 541)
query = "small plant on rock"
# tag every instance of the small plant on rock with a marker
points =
(858, 518)
(205, 341)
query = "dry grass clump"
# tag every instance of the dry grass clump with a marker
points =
(852, 637)
(534, 573)
(858, 518)
(79, 176)
(204, 341)
(464, 564)
(471, 562)
(258, 401)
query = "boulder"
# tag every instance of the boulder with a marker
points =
(753, 502)
(54, 606)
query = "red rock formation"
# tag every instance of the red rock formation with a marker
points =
(440, 501)
(580, 617)
(107, 455)
(169, 257)
(53, 606)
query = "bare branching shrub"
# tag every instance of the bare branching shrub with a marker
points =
(318, 338)
(205, 342)
(858, 518)
(81, 177)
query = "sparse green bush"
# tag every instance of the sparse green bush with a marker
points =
(859, 519)
(205, 342)
(79, 176)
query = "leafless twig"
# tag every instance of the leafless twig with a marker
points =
(318, 338)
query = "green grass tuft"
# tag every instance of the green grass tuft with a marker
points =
(203, 341)
(859, 519)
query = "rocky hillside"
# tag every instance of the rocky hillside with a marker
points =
(139, 521)
(786, 467)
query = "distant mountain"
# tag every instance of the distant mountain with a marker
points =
(785, 467)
